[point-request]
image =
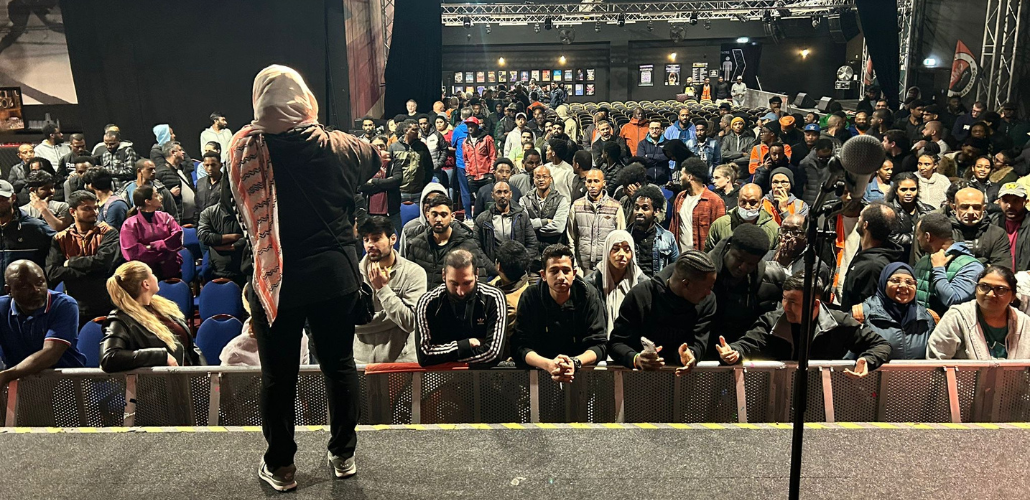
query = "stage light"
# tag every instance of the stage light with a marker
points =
(743, 39)
(742, 18)
(930, 62)
(621, 19)
(467, 22)
(672, 57)
(597, 27)
(692, 19)
(650, 26)
(487, 29)
(561, 60)
(816, 21)
(804, 53)
(536, 27)
(500, 61)
(708, 24)
(548, 23)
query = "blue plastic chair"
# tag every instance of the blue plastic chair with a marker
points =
(214, 334)
(89, 342)
(220, 296)
(205, 267)
(190, 241)
(59, 288)
(409, 211)
(189, 266)
(178, 291)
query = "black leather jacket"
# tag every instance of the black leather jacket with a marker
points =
(128, 345)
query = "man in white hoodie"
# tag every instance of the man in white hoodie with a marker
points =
(398, 284)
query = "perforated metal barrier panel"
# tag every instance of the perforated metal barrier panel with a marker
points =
(953, 391)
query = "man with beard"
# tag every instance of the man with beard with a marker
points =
(788, 256)
(861, 125)
(777, 158)
(117, 156)
(503, 169)
(434, 142)
(82, 257)
(67, 162)
(513, 139)
(695, 208)
(522, 182)
(368, 130)
(1012, 200)
(505, 124)
(502, 221)
(880, 122)
(655, 246)
(635, 131)
(412, 161)
(815, 169)
(875, 225)
(548, 209)
(611, 163)
(42, 205)
(775, 336)
(932, 133)
(744, 289)
(397, 285)
(480, 153)
(868, 103)
(946, 275)
(736, 145)
(561, 322)
(21, 236)
(682, 129)
(430, 249)
(896, 147)
(964, 122)
(704, 147)
(988, 242)
(460, 320)
(606, 135)
(591, 218)
(748, 211)
(52, 147)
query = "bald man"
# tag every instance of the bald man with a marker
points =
(748, 211)
(17, 173)
(39, 327)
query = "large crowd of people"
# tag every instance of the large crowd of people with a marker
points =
(514, 228)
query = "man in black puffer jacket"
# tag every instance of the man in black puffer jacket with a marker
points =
(875, 225)
(429, 248)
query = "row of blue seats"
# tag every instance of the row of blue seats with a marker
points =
(212, 336)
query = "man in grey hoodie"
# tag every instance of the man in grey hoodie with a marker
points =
(398, 284)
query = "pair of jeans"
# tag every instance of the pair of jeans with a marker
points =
(466, 197)
(474, 186)
(332, 332)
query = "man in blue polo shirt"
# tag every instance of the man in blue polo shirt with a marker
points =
(38, 327)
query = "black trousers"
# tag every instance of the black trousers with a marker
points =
(332, 331)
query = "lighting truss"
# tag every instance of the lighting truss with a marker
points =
(675, 12)
(1000, 49)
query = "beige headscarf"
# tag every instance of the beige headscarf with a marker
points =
(282, 101)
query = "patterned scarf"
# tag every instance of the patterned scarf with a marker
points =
(282, 102)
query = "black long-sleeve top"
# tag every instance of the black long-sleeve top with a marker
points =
(544, 327)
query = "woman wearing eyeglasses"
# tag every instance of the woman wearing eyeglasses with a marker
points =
(990, 327)
(895, 314)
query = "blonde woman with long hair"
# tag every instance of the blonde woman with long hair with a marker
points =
(144, 329)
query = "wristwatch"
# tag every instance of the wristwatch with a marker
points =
(577, 364)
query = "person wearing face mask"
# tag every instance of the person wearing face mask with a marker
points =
(614, 276)
(744, 289)
(780, 202)
(737, 144)
(896, 315)
(947, 271)
(748, 211)
(695, 208)
(656, 247)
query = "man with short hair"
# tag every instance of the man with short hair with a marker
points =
(434, 142)
(480, 154)
(460, 320)
(695, 208)
(66, 164)
(787, 258)
(21, 235)
(412, 159)
(41, 204)
(674, 311)
(896, 147)
(175, 175)
(368, 130)
(880, 122)
(636, 130)
(52, 147)
(776, 335)
(989, 243)
(748, 211)
(146, 176)
(1012, 200)
(83, 257)
(655, 246)
(513, 266)
(611, 163)
(682, 128)
(118, 157)
(606, 135)
(111, 208)
(430, 248)
(704, 147)
(219, 230)
(946, 275)
(504, 221)
(209, 189)
(591, 218)
(817, 171)
(548, 210)
(861, 125)
(912, 124)
(650, 148)
(561, 323)
(735, 146)
(558, 157)
(503, 169)
(876, 223)
(38, 330)
(411, 106)
(397, 285)
(933, 132)
(513, 139)
(17, 173)
(523, 180)
(218, 132)
(964, 122)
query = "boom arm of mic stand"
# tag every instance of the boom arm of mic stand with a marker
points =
(815, 239)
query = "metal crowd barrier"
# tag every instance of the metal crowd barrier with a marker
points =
(901, 391)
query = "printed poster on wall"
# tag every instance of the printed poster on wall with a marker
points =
(480, 90)
(579, 75)
(469, 89)
(534, 75)
(646, 75)
(590, 89)
(457, 89)
(525, 76)
(491, 77)
(10, 109)
(590, 74)
(458, 77)
(672, 75)
(579, 89)
(568, 75)
(698, 71)
(546, 77)
(481, 77)
(469, 77)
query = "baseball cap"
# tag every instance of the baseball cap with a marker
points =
(513, 106)
(472, 119)
(812, 127)
(740, 77)
(1013, 188)
(522, 115)
(6, 189)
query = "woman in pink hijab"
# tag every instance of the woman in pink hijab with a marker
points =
(294, 183)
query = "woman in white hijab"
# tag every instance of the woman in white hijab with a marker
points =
(615, 275)
(294, 182)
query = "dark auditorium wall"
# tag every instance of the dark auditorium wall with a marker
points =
(139, 63)
(657, 54)
(784, 70)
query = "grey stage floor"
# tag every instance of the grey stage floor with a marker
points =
(538, 463)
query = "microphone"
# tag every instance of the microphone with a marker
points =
(855, 164)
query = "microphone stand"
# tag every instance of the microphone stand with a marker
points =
(815, 239)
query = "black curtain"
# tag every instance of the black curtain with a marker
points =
(140, 63)
(413, 69)
(879, 20)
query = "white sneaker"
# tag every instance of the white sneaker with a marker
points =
(280, 480)
(342, 467)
